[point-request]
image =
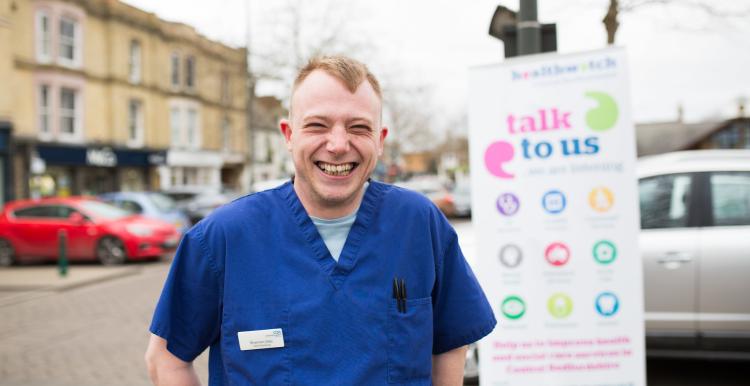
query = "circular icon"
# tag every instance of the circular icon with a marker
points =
(560, 305)
(601, 199)
(508, 204)
(605, 252)
(513, 307)
(557, 254)
(553, 202)
(607, 304)
(511, 256)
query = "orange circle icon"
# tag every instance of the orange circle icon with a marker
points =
(601, 199)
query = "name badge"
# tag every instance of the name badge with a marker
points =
(260, 339)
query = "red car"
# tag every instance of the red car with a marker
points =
(29, 231)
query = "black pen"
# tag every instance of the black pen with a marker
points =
(403, 293)
(396, 294)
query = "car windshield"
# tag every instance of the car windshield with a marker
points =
(103, 210)
(162, 202)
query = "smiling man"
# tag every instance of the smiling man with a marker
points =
(329, 279)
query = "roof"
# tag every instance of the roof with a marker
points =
(663, 137)
(695, 161)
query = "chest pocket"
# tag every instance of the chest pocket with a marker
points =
(410, 342)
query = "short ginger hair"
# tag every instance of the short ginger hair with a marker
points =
(349, 71)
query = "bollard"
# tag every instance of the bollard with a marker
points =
(62, 258)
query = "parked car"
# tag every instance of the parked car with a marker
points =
(434, 189)
(29, 231)
(150, 204)
(198, 204)
(695, 246)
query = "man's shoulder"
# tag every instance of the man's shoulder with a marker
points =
(401, 199)
(256, 206)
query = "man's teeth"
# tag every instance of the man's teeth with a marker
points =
(336, 170)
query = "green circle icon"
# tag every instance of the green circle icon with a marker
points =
(513, 307)
(560, 305)
(604, 252)
(604, 116)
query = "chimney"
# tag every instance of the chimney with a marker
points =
(680, 113)
(741, 101)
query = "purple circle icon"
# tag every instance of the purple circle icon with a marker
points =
(508, 204)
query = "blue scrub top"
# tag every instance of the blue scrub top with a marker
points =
(259, 263)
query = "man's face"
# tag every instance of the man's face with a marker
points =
(335, 139)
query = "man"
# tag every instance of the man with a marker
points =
(329, 279)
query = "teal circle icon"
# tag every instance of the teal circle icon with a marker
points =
(605, 252)
(513, 307)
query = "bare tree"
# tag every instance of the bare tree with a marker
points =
(618, 7)
(298, 30)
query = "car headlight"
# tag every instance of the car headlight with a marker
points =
(139, 230)
(178, 224)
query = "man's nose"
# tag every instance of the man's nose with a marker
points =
(338, 140)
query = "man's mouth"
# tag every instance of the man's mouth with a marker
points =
(336, 169)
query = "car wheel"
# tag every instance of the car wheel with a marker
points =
(7, 254)
(111, 251)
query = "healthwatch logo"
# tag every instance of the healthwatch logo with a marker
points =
(529, 126)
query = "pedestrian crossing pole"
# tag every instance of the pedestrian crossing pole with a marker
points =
(62, 258)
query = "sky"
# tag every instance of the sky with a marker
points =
(677, 56)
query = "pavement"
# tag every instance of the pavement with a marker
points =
(22, 283)
(88, 329)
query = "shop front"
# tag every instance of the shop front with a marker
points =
(6, 193)
(60, 170)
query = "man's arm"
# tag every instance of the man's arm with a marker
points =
(448, 367)
(165, 369)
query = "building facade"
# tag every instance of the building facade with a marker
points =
(108, 97)
(271, 159)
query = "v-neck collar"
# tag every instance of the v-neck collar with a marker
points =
(349, 254)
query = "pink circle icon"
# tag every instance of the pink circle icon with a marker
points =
(497, 154)
(557, 254)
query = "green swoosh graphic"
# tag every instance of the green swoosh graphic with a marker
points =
(604, 116)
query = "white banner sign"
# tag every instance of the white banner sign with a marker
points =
(555, 210)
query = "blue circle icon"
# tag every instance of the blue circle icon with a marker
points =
(553, 201)
(607, 304)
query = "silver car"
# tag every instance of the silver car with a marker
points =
(695, 245)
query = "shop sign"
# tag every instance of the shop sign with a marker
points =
(101, 157)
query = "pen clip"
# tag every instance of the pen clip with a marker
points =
(403, 294)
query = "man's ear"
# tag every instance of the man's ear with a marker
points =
(381, 140)
(286, 130)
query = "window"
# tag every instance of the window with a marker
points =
(135, 122)
(45, 211)
(175, 63)
(134, 64)
(665, 201)
(190, 72)
(730, 198)
(226, 132)
(44, 110)
(68, 41)
(728, 138)
(68, 106)
(43, 37)
(174, 122)
(747, 137)
(192, 128)
(225, 97)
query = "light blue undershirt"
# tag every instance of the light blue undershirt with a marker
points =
(334, 231)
